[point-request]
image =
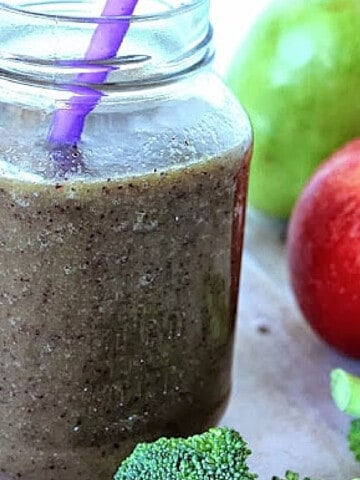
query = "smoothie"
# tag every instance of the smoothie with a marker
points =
(117, 308)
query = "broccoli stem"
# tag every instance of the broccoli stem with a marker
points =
(345, 391)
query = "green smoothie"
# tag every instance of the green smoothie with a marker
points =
(117, 309)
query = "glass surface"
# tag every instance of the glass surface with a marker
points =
(120, 256)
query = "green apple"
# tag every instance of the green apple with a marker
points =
(298, 75)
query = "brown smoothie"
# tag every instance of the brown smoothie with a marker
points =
(117, 308)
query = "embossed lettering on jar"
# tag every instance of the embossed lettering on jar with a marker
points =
(120, 255)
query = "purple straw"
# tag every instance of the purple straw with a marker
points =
(68, 124)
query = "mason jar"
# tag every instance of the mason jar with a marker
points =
(123, 181)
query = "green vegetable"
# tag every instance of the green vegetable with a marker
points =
(354, 438)
(219, 454)
(345, 391)
(289, 475)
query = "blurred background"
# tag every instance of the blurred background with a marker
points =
(231, 21)
(280, 400)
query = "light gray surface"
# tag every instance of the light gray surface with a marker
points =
(280, 401)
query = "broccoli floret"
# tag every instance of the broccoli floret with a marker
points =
(289, 475)
(354, 438)
(345, 390)
(219, 454)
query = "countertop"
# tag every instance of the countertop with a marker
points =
(280, 401)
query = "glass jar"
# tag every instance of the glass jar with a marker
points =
(120, 251)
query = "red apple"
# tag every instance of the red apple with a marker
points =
(323, 250)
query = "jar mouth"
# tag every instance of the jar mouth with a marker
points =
(46, 42)
(170, 9)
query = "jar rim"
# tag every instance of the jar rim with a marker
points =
(184, 7)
